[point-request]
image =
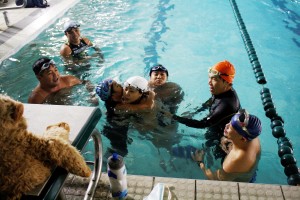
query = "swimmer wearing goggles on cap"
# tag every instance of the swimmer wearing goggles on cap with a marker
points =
(241, 162)
(51, 81)
(76, 45)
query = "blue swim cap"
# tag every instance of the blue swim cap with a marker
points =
(103, 89)
(249, 126)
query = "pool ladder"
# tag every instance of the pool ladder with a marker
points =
(11, 8)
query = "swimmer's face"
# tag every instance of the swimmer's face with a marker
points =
(217, 85)
(231, 133)
(49, 77)
(116, 92)
(73, 35)
(158, 78)
(130, 94)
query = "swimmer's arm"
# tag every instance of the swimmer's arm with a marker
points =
(88, 84)
(131, 107)
(35, 98)
(208, 173)
(220, 174)
(146, 105)
(91, 88)
(87, 41)
(71, 80)
(203, 107)
(98, 52)
(226, 173)
(65, 51)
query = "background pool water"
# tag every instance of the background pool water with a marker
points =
(187, 37)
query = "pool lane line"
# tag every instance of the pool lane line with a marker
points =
(285, 147)
(157, 29)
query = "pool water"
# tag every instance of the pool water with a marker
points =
(187, 38)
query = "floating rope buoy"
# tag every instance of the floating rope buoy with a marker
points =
(285, 147)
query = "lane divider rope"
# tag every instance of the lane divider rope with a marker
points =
(285, 147)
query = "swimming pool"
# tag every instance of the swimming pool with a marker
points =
(187, 38)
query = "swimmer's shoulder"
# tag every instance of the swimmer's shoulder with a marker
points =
(37, 96)
(70, 80)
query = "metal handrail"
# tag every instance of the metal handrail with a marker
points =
(15, 7)
(89, 195)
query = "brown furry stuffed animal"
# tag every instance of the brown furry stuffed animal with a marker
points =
(26, 160)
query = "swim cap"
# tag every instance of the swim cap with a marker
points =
(158, 67)
(226, 70)
(41, 64)
(248, 126)
(138, 82)
(69, 25)
(103, 89)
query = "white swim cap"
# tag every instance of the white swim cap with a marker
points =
(70, 24)
(137, 82)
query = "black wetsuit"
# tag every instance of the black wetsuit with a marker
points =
(78, 50)
(222, 107)
(116, 129)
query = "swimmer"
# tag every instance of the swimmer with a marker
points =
(120, 108)
(76, 45)
(50, 81)
(241, 162)
(222, 105)
(169, 93)
(134, 96)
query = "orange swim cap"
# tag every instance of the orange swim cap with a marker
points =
(226, 70)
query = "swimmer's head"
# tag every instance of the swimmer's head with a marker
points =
(70, 25)
(41, 64)
(248, 126)
(223, 69)
(138, 82)
(103, 89)
(159, 67)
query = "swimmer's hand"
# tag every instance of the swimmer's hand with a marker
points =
(89, 86)
(198, 155)
(188, 114)
(226, 144)
(166, 113)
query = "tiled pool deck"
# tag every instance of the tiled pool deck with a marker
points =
(183, 189)
(25, 25)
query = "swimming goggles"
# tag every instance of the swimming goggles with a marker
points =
(159, 68)
(215, 73)
(47, 65)
(243, 120)
(132, 87)
(71, 28)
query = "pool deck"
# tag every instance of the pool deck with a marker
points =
(28, 23)
(183, 189)
(25, 24)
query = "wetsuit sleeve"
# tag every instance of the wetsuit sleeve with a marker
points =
(218, 112)
(191, 122)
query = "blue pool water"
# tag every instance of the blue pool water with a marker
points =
(186, 37)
